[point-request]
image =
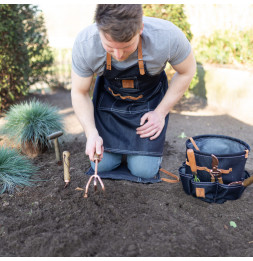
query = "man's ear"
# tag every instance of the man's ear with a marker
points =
(141, 29)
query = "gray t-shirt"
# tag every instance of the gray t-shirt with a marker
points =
(162, 42)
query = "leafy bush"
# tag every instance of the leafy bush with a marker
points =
(225, 47)
(15, 170)
(173, 13)
(32, 122)
(25, 57)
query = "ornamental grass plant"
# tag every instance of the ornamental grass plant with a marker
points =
(15, 170)
(29, 123)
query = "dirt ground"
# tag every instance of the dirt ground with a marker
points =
(130, 219)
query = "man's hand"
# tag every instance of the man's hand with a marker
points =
(153, 126)
(94, 145)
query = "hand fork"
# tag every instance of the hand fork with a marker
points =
(96, 177)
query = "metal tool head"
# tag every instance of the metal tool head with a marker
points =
(215, 161)
(215, 171)
(95, 177)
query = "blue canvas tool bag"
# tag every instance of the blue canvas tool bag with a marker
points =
(214, 170)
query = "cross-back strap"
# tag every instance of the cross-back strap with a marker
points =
(108, 62)
(140, 59)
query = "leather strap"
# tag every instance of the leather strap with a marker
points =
(194, 143)
(140, 57)
(176, 180)
(223, 171)
(192, 160)
(108, 62)
(126, 97)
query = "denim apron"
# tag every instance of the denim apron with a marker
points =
(121, 98)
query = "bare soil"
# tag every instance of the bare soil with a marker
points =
(130, 219)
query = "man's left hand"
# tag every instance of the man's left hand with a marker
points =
(152, 124)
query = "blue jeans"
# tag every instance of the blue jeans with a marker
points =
(139, 165)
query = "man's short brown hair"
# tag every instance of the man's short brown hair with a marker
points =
(121, 22)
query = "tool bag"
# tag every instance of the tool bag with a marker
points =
(214, 168)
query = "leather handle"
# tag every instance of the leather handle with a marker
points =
(192, 161)
(175, 180)
(194, 144)
(248, 181)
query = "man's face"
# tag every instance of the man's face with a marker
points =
(120, 51)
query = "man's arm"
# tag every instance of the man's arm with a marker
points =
(178, 85)
(84, 111)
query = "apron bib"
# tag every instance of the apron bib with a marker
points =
(121, 98)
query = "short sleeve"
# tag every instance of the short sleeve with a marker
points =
(79, 65)
(180, 47)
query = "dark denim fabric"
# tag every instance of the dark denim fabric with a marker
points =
(229, 151)
(117, 119)
(214, 191)
(123, 173)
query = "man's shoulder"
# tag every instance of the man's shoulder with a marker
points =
(157, 24)
(89, 33)
(161, 32)
(166, 38)
(88, 53)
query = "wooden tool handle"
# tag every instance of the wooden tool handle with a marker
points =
(192, 161)
(248, 181)
(55, 135)
(66, 155)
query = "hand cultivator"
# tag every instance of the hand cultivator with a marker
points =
(95, 177)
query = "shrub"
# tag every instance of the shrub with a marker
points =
(25, 57)
(15, 170)
(31, 123)
(225, 47)
(174, 13)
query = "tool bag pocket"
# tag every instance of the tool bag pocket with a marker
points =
(185, 179)
(212, 163)
(230, 192)
(211, 192)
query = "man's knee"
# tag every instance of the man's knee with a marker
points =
(143, 166)
(109, 162)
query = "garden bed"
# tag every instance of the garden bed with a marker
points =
(130, 219)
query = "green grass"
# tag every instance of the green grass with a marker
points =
(15, 170)
(32, 122)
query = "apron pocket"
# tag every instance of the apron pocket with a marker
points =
(109, 103)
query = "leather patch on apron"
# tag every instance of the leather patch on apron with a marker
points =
(129, 84)
(200, 192)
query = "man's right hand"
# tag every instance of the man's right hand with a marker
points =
(94, 145)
